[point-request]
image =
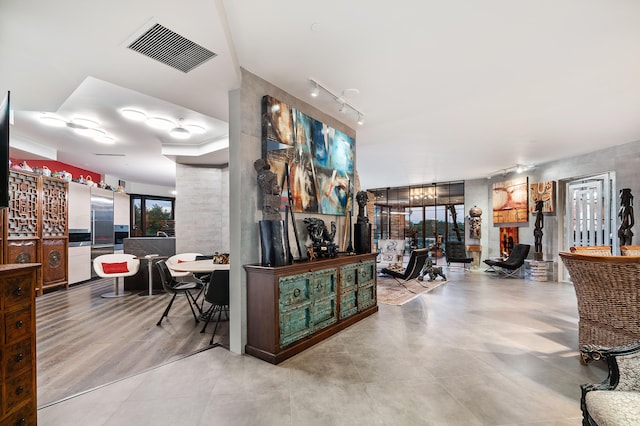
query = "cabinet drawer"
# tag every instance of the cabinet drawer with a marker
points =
(23, 416)
(348, 275)
(17, 324)
(323, 283)
(324, 312)
(366, 296)
(19, 389)
(294, 290)
(17, 357)
(348, 303)
(18, 289)
(366, 272)
(295, 323)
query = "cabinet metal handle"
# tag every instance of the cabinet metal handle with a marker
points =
(19, 324)
(319, 286)
(18, 291)
(19, 357)
(19, 390)
(296, 292)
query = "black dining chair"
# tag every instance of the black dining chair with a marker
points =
(217, 295)
(175, 287)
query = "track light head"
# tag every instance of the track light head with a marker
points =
(315, 91)
(360, 119)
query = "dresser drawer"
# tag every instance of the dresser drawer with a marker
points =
(325, 312)
(17, 357)
(294, 290)
(366, 296)
(17, 324)
(348, 275)
(323, 283)
(18, 289)
(295, 323)
(366, 272)
(18, 390)
(23, 416)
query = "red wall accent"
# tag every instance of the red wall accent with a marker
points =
(57, 166)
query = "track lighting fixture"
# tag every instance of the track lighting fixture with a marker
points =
(518, 168)
(344, 106)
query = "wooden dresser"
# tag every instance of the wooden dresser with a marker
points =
(18, 345)
(293, 307)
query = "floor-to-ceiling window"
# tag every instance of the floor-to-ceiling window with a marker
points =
(425, 216)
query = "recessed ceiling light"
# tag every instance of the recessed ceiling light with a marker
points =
(105, 139)
(160, 123)
(133, 114)
(53, 121)
(195, 129)
(179, 133)
(90, 133)
(90, 124)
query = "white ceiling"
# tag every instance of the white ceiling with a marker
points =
(450, 90)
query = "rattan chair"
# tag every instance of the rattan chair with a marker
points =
(615, 401)
(592, 250)
(630, 250)
(608, 294)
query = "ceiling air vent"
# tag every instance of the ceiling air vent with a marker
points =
(170, 48)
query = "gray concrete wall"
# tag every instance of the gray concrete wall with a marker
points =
(245, 146)
(202, 209)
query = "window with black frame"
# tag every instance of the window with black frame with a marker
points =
(152, 216)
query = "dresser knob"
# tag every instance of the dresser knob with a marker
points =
(319, 287)
(18, 291)
(296, 292)
(19, 324)
(19, 390)
(19, 357)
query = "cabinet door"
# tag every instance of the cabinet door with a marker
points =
(79, 206)
(121, 208)
(295, 323)
(323, 286)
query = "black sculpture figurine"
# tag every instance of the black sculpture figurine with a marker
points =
(321, 238)
(271, 240)
(362, 228)
(537, 232)
(625, 234)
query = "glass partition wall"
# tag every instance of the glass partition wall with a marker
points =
(424, 216)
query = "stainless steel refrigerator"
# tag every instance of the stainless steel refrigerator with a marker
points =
(102, 240)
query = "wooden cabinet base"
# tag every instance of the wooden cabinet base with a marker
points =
(301, 345)
(291, 308)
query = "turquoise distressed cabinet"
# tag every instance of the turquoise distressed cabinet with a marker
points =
(293, 307)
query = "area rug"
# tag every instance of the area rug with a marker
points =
(392, 291)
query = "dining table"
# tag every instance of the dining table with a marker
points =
(200, 266)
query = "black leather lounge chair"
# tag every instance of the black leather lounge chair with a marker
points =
(510, 267)
(415, 265)
(456, 252)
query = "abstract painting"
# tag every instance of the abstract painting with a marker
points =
(319, 159)
(510, 201)
(545, 191)
(508, 239)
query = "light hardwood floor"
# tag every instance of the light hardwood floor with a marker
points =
(85, 341)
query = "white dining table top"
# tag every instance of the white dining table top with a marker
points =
(199, 266)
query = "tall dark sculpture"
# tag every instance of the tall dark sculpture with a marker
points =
(362, 228)
(537, 232)
(475, 222)
(271, 238)
(625, 234)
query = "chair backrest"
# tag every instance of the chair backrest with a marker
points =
(630, 250)
(518, 255)
(168, 281)
(416, 263)
(455, 250)
(133, 264)
(592, 250)
(174, 261)
(218, 289)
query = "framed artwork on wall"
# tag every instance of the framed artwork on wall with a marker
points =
(510, 201)
(546, 192)
(320, 160)
(508, 239)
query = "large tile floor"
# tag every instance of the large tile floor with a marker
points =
(474, 351)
